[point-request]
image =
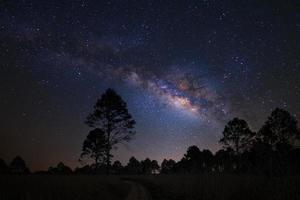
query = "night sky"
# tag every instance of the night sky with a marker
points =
(184, 68)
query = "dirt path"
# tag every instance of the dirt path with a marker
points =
(137, 192)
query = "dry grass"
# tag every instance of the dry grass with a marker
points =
(221, 187)
(161, 187)
(42, 187)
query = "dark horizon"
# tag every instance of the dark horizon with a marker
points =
(257, 137)
(183, 68)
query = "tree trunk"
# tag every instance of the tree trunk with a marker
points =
(108, 153)
(238, 163)
(237, 146)
(96, 162)
(107, 160)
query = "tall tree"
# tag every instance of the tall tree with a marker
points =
(167, 166)
(18, 166)
(280, 130)
(60, 169)
(193, 160)
(134, 166)
(154, 166)
(223, 160)
(193, 153)
(207, 160)
(146, 166)
(149, 166)
(117, 167)
(237, 135)
(3, 167)
(111, 115)
(94, 146)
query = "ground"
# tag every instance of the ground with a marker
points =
(137, 191)
(158, 187)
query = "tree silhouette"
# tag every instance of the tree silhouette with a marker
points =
(60, 169)
(149, 166)
(193, 153)
(117, 167)
(207, 160)
(262, 158)
(154, 166)
(146, 166)
(223, 160)
(196, 161)
(134, 166)
(280, 130)
(237, 135)
(294, 159)
(167, 166)
(83, 170)
(18, 166)
(192, 161)
(94, 146)
(112, 117)
(3, 167)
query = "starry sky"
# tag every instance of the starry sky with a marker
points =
(184, 68)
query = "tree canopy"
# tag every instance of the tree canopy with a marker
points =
(280, 130)
(112, 117)
(94, 146)
(237, 135)
(18, 166)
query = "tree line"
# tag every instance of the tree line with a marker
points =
(270, 151)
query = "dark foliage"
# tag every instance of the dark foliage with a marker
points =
(270, 152)
(195, 161)
(149, 166)
(133, 166)
(112, 117)
(237, 135)
(117, 167)
(94, 146)
(18, 166)
(3, 167)
(60, 169)
(280, 130)
(167, 166)
(223, 161)
(83, 170)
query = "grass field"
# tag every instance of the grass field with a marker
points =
(221, 187)
(160, 187)
(44, 187)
